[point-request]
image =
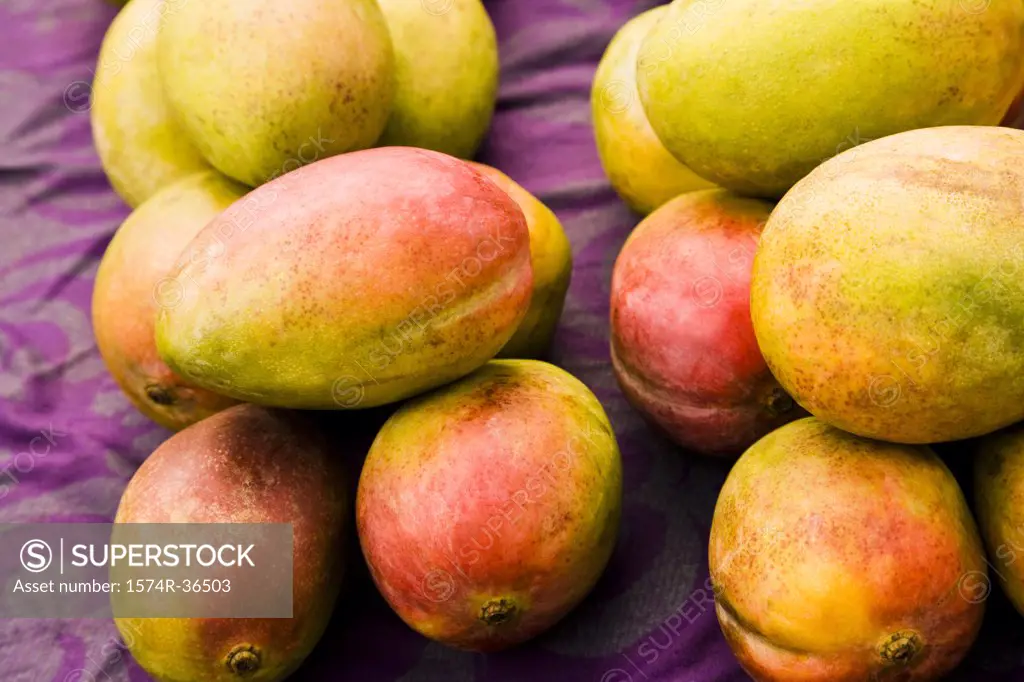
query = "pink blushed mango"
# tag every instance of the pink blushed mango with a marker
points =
(489, 508)
(683, 345)
(128, 294)
(355, 281)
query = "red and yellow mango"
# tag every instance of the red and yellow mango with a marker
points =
(356, 281)
(838, 559)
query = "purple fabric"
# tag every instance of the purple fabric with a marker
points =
(69, 440)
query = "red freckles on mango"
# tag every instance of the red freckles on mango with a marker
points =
(683, 344)
(887, 286)
(488, 509)
(245, 464)
(356, 281)
(837, 558)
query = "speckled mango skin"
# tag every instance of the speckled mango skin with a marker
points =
(551, 257)
(141, 146)
(887, 296)
(840, 559)
(446, 74)
(263, 86)
(639, 167)
(999, 505)
(504, 488)
(356, 281)
(682, 344)
(754, 94)
(128, 294)
(246, 464)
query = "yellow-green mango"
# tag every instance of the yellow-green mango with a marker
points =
(263, 87)
(141, 146)
(639, 167)
(753, 94)
(132, 286)
(446, 74)
(999, 504)
(551, 256)
(887, 294)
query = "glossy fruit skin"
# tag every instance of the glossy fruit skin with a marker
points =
(682, 343)
(999, 503)
(753, 95)
(246, 464)
(262, 87)
(551, 256)
(140, 144)
(489, 508)
(886, 289)
(798, 538)
(636, 162)
(354, 282)
(446, 75)
(131, 288)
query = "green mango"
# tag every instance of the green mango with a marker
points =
(639, 167)
(141, 146)
(753, 94)
(446, 74)
(263, 87)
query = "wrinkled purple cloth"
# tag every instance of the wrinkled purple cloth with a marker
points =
(69, 440)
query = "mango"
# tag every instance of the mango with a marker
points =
(835, 558)
(132, 286)
(488, 509)
(244, 465)
(754, 94)
(446, 74)
(999, 505)
(141, 146)
(639, 167)
(551, 258)
(263, 87)
(886, 294)
(356, 281)
(1012, 119)
(682, 344)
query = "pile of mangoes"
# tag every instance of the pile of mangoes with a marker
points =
(307, 236)
(835, 228)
